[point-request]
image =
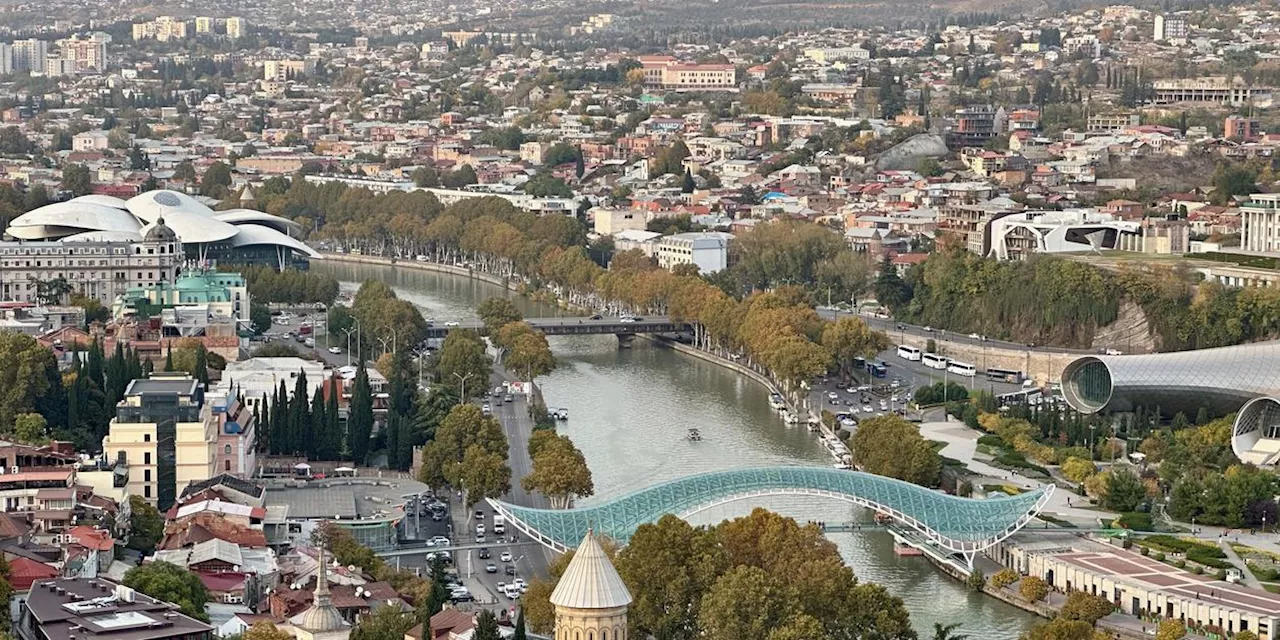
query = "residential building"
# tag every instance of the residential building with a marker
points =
(163, 28)
(1171, 29)
(666, 72)
(281, 70)
(29, 55)
(98, 267)
(826, 55)
(98, 609)
(235, 27)
(55, 67)
(6, 59)
(204, 24)
(708, 250)
(644, 241)
(1212, 89)
(90, 141)
(219, 296)
(608, 221)
(163, 431)
(1241, 128)
(976, 124)
(1260, 223)
(87, 53)
(972, 221)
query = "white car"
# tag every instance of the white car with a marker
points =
(519, 583)
(866, 408)
(626, 319)
(451, 324)
(438, 541)
(505, 557)
(513, 592)
(480, 529)
(335, 350)
(975, 336)
(833, 396)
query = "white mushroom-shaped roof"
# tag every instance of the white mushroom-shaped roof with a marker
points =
(104, 236)
(106, 201)
(251, 234)
(242, 216)
(77, 216)
(195, 228)
(590, 581)
(152, 205)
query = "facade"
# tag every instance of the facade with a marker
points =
(29, 55)
(1171, 29)
(1241, 128)
(87, 53)
(95, 265)
(610, 221)
(235, 27)
(1213, 89)
(164, 433)
(590, 600)
(1260, 223)
(204, 25)
(1113, 121)
(666, 72)
(708, 250)
(972, 222)
(825, 55)
(222, 296)
(97, 609)
(1018, 236)
(976, 124)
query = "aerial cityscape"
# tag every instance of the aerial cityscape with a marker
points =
(605, 320)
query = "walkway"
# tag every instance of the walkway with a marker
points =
(1246, 574)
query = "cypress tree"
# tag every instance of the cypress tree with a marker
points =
(331, 443)
(280, 421)
(393, 439)
(94, 365)
(262, 426)
(520, 632)
(168, 358)
(315, 426)
(299, 415)
(202, 365)
(360, 417)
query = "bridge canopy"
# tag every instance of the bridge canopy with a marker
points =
(958, 525)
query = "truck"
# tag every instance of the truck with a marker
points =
(499, 524)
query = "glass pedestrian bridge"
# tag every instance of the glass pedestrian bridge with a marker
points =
(963, 526)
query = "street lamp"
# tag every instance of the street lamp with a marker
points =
(462, 393)
(349, 331)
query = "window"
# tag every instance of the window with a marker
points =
(226, 450)
(146, 458)
(146, 491)
(146, 475)
(146, 437)
(227, 465)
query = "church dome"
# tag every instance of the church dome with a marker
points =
(159, 232)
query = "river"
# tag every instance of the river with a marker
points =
(629, 411)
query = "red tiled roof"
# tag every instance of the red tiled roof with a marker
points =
(222, 582)
(208, 526)
(24, 571)
(92, 538)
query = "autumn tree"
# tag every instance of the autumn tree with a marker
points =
(559, 470)
(1033, 589)
(1085, 607)
(386, 623)
(469, 453)
(530, 355)
(1175, 630)
(891, 446)
(498, 312)
(849, 338)
(264, 630)
(463, 364)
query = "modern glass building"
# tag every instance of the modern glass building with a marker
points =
(1243, 378)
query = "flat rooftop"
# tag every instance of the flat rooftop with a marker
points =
(1141, 571)
(342, 498)
(89, 608)
(146, 386)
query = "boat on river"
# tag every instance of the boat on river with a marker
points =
(776, 401)
(560, 414)
(694, 435)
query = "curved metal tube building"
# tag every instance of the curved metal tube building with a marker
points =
(1243, 378)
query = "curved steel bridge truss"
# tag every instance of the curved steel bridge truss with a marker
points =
(960, 526)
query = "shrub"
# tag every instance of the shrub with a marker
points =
(1136, 520)
(976, 580)
(1086, 607)
(1033, 589)
(1003, 579)
(1160, 556)
(991, 441)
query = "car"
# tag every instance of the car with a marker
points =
(627, 319)
(638, 319)
(505, 557)
(901, 327)
(520, 583)
(479, 515)
(975, 336)
(465, 597)
(512, 592)
(451, 324)
(849, 403)
(863, 389)
(510, 570)
(928, 329)
(502, 586)
(437, 517)
(866, 408)
(439, 541)
(480, 528)
(484, 553)
(310, 342)
(884, 406)
(848, 422)
(895, 384)
(833, 396)
(335, 350)
(594, 316)
(508, 398)
(851, 390)
(1114, 352)
(479, 538)
(491, 568)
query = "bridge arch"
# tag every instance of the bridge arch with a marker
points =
(962, 526)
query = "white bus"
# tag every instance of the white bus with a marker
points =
(934, 361)
(962, 369)
(909, 353)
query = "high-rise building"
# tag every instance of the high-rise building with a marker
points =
(56, 67)
(204, 24)
(165, 434)
(6, 58)
(1171, 28)
(88, 53)
(29, 55)
(235, 27)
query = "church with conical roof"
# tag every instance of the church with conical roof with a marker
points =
(591, 600)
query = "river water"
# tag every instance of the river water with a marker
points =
(629, 411)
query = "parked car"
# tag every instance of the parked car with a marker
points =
(335, 350)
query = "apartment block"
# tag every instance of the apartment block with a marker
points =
(1211, 89)
(204, 24)
(29, 55)
(708, 250)
(666, 72)
(236, 27)
(1171, 28)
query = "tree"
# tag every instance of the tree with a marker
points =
(520, 633)
(945, 632)
(216, 180)
(31, 428)
(746, 602)
(530, 355)
(425, 177)
(170, 583)
(463, 427)
(686, 183)
(1033, 589)
(1232, 179)
(1077, 469)
(482, 474)
(928, 167)
(146, 527)
(345, 548)
(29, 377)
(259, 317)
(460, 177)
(890, 290)
(1061, 629)
(75, 178)
(498, 312)
(1085, 607)
(360, 418)
(386, 623)
(848, 338)
(463, 364)
(201, 371)
(891, 446)
(976, 580)
(559, 470)
(486, 626)
(1125, 490)
(1004, 577)
(1175, 630)
(264, 630)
